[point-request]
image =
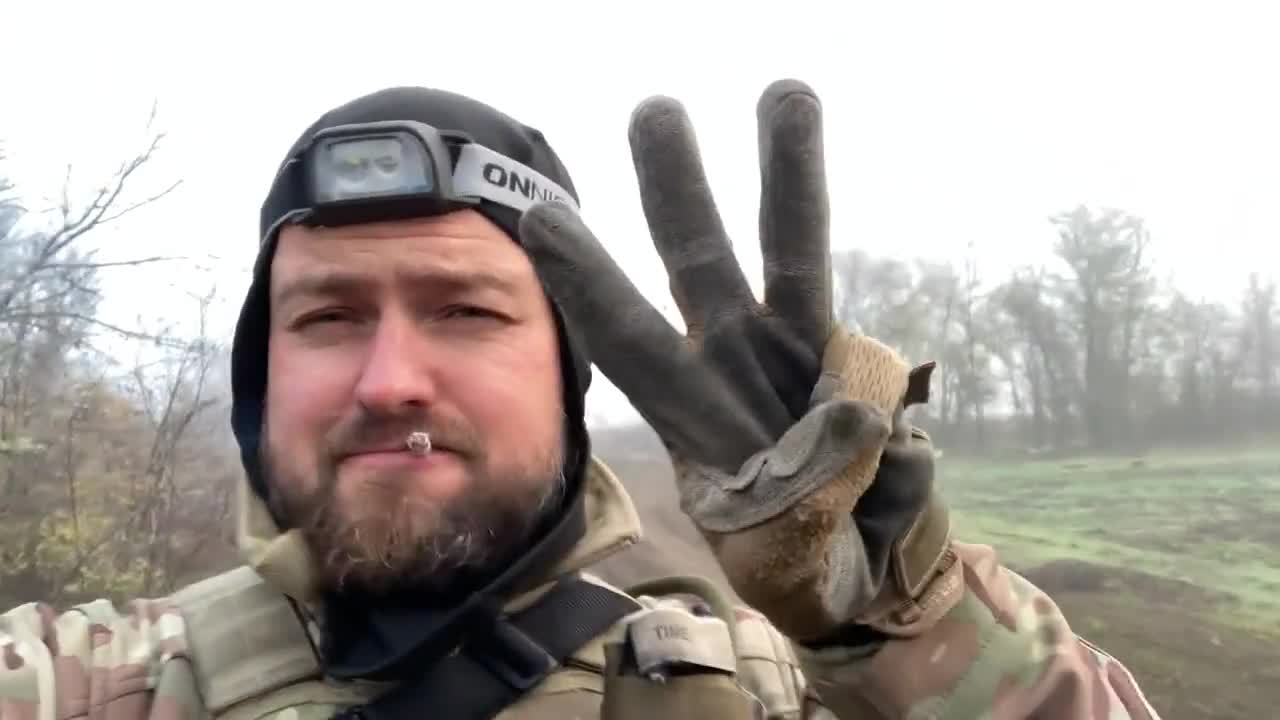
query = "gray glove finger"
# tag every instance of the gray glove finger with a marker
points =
(794, 209)
(683, 220)
(816, 449)
(627, 337)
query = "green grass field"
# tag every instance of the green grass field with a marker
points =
(1171, 561)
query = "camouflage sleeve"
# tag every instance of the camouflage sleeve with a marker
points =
(92, 661)
(1004, 650)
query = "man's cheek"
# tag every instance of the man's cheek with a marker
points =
(296, 454)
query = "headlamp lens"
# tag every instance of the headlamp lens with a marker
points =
(348, 168)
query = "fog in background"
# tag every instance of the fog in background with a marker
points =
(949, 126)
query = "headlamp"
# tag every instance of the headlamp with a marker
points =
(397, 169)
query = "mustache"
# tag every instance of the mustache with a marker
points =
(373, 433)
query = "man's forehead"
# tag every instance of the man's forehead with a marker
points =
(453, 232)
(333, 281)
(429, 253)
(447, 247)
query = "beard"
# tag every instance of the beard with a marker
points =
(381, 537)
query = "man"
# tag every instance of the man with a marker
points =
(421, 503)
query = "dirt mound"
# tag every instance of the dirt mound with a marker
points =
(1190, 667)
(1058, 577)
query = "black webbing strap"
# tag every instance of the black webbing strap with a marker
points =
(495, 667)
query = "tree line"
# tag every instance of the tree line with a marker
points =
(116, 475)
(1092, 352)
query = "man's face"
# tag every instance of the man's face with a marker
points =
(380, 330)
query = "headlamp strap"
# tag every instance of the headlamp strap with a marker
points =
(483, 173)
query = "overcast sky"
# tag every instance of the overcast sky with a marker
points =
(946, 123)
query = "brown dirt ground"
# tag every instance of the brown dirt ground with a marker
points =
(1190, 669)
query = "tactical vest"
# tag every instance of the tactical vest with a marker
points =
(673, 648)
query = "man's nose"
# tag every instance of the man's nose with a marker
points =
(396, 377)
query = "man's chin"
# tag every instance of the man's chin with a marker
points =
(400, 523)
(387, 545)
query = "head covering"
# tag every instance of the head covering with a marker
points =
(446, 111)
(377, 639)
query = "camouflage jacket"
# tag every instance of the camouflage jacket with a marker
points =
(232, 648)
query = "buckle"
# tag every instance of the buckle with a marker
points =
(512, 655)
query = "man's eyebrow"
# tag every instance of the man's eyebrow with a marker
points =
(333, 283)
(458, 279)
(318, 284)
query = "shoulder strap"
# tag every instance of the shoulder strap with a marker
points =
(497, 665)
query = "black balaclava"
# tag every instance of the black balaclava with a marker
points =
(371, 641)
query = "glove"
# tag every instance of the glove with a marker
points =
(785, 430)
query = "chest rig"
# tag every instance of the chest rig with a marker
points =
(672, 648)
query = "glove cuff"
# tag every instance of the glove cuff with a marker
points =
(925, 574)
(919, 554)
(922, 584)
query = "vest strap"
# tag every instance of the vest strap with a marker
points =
(500, 662)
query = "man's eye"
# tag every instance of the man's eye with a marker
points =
(467, 311)
(322, 317)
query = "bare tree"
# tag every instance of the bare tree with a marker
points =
(48, 291)
(1259, 345)
(182, 495)
(1107, 295)
(83, 465)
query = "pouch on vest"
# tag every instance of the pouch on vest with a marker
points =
(676, 663)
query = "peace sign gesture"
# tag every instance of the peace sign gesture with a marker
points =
(775, 417)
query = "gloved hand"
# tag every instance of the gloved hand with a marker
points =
(777, 419)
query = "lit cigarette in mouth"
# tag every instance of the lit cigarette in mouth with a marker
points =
(419, 443)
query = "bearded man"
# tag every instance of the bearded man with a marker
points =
(421, 506)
